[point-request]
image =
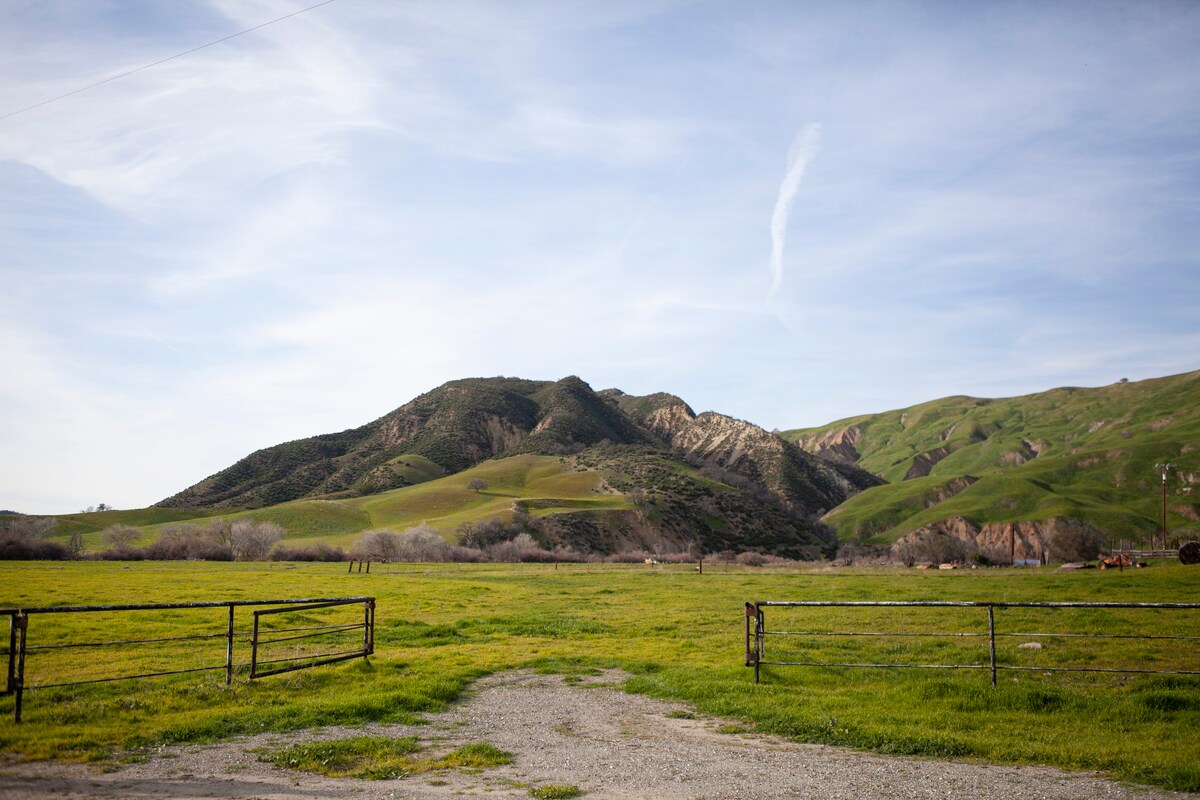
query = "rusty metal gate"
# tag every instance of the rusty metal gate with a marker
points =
(310, 644)
(1185, 633)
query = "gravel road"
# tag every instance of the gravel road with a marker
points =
(587, 734)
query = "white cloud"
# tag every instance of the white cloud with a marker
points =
(803, 148)
(306, 227)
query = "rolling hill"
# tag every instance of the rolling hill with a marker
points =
(980, 467)
(606, 470)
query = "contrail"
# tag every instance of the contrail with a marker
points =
(800, 153)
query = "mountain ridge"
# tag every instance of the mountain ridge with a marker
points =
(1076, 453)
(703, 477)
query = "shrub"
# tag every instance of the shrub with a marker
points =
(317, 552)
(120, 554)
(13, 549)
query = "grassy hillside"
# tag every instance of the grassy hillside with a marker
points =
(1087, 453)
(542, 485)
(605, 499)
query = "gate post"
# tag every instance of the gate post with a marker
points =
(368, 627)
(229, 649)
(751, 611)
(254, 649)
(10, 683)
(992, 640)
(21, 623)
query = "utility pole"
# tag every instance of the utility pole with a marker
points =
(1165, 467)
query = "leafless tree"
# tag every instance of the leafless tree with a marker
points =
(179, 532)
(120, 536)
(251, 540)
(378, 545)
(28, 529)
(219, 531)
(477, 485)
(422, 543)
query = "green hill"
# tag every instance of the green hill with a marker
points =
(1078, 453)
(605, 470)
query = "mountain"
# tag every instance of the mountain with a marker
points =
(975, 468)
(706, 480)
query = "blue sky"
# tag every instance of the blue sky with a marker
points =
(787, 212)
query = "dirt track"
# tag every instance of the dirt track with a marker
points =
(608, 743)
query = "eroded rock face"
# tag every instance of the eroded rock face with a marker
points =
(792, 475)
(837, 444)
(923, 464)
(1000, 542)
(941, 494)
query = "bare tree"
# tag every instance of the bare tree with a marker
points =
(422, 543)
(378, 545)
(477, 485)
(219, 531)
(179, 532)
(251, 541)
(120, 536)
(29, 529)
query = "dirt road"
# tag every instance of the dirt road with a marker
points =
(588, 734)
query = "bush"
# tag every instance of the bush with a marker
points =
(521, 548)
(317, 552)
(14, 549)
(119, 554)
(196, 547)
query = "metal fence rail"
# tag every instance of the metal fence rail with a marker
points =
(19, 646)
(756, 633)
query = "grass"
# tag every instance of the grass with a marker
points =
(539, 485)
(556, 791)
(1086, 453)
(441, 627)
(381, 758)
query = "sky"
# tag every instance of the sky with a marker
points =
(788, 212)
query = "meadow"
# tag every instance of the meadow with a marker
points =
(677, 633)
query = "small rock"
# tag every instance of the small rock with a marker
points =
(1030, 646)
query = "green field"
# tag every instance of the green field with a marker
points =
(679, 634)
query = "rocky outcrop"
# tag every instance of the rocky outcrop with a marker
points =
(940, 494)
(795, 478)
(840, 444)
(923, 464)
(999, 542)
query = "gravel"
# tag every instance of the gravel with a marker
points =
(585, 733)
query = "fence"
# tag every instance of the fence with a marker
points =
(309, 643)
(1079, 631)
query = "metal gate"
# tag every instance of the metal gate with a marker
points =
(1185, 633)
(311, 646)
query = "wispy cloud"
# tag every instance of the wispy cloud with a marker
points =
(307, 226)
(803, 148)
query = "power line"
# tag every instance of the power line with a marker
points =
(162, 61)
